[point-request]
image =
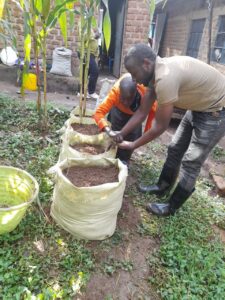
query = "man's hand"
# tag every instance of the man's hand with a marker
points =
(115, 135)
(142, 112)
(127, 145)
(159, 125)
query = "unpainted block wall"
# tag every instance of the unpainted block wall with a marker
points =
(178, 29)
(136, 29)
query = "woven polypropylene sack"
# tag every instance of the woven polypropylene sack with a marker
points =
(88, 212)
(106, 85)
(8, 56)
(17, 190)
(71, 139)
(76, 111)
(61, 62)
(67, 128)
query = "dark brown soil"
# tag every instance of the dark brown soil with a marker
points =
(89, 148)
(4, 206)
(91, 176)
(85, 129)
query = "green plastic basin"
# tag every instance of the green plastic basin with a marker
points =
(17, 190)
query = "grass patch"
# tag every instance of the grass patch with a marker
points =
(190, 262)
(218, 153)
(37, 259)
(112, 266)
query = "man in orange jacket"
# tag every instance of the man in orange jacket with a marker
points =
(121, 103)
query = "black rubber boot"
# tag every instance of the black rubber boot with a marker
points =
(179, 196)
(177, 199)
(159, 209)
(165, 183)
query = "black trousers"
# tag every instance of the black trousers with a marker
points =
(118, 120)
(196, 136)
(93, 74)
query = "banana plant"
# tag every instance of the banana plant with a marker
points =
(2, 5)
(48, 18)
(47, 15)
(151, 6)
(87, 23)
(87, 10)
(107, 26)
(7, 35)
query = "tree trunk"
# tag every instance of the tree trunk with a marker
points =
(36, 55)
(81, 62)
(87, 64)
(45, 79)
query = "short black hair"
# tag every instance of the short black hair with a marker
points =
(138, 53)
(127, 85)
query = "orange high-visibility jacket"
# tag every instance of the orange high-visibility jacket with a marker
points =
(113, 99)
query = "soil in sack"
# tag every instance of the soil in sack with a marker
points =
(88, 148)
(4, 206)
(91, 176)
(91, 129)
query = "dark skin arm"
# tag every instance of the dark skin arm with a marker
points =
(159, 125)
(138, 117)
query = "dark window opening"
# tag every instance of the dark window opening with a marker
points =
(195, 37)
(218, 53)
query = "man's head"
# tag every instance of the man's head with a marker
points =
(128, 89)
(140, 63)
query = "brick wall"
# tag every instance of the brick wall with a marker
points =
(135, 30)
(175, 37)
(136, 26)
(54, 40)
(178, 27)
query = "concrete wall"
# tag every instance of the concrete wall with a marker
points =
(179, 24)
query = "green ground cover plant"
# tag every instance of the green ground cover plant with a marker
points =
(37, 259)
(218, 153)
(190, 262)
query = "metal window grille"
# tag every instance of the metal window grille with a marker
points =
(218, 53)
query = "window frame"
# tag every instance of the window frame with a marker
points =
(220, 48)
(191, 35)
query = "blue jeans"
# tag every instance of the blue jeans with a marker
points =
(93, 74)
(195, 137)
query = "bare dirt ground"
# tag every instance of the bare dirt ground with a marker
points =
(68, 101)
(60, 99)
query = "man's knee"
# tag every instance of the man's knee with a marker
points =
(173, 151)
(189, 173)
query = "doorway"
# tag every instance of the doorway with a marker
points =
(110, 63)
